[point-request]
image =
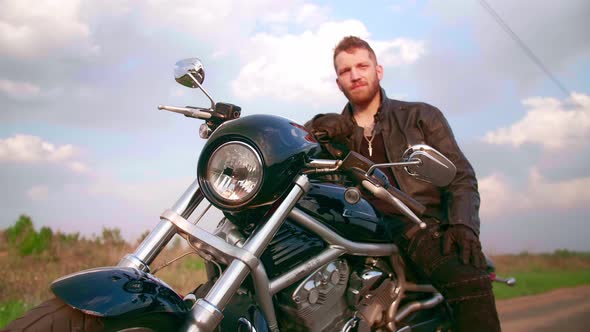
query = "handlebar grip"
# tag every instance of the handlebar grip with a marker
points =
(417, 207)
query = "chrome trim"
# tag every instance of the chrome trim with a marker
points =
(302, 270)
(203, 89)
(322, 166)
(190, 199)
(209, 243)
(335, 240)
(189, 112)
(369, 278)
(150, 247)
(323, 163)
(204, 317)
(508, 281)
(401, 163)
(263, 297)
(397, 264)
(159, 237)
(409, 308)
(130, 260)
(393, 315)
(303, 182)
(386, 196)
(202, 214)
(247, 324)
(225, 287)
(228, 283)
(351, 323)
(257, 243)
(411, 287)
(210, 185)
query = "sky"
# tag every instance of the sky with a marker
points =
(83, 146)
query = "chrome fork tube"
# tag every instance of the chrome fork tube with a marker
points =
(206, 313)
(264, 298)
(159, 237)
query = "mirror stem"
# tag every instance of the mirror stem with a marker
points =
(202, 89)
(403, 163)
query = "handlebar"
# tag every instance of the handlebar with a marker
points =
(365, 173)
(188, 112)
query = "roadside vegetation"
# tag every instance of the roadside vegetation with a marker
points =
(539, 273)
(31, 259)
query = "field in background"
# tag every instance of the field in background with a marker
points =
(538, 273)
(31, 260)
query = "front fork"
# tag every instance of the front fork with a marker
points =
(159, 237)
(206, 313)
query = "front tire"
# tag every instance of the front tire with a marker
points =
(56, 316)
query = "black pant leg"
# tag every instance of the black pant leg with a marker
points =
(467, 289)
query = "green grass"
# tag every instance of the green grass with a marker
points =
(194, 264)
(11, 310)
(531, 283)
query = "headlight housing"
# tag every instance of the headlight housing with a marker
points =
(234, 173)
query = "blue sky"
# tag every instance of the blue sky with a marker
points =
(83, 146)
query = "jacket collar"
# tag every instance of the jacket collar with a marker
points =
(348, 109)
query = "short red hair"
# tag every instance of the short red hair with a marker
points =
(347, 44)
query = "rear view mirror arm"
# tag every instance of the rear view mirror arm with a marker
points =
(401, 163)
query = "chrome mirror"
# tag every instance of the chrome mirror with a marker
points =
(187, 71)
(191, 73)
(433, 167)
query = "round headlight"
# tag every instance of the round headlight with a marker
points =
(234, 173)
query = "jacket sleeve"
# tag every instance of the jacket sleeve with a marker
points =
(462, 196)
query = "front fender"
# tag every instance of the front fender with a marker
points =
(116, 291)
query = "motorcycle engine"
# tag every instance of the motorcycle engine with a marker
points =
(318, 303)
(371, 291)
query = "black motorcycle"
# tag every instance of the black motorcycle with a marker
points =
(301, 247)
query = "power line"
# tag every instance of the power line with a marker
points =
(524, 47)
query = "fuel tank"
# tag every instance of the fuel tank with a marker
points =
(360, 222)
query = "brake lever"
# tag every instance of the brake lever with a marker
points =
(188, 112)
(386, 196)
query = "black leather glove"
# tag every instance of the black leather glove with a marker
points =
(331, 127)
(465, 241)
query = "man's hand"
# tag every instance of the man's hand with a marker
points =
(331, 128)
(465, 241)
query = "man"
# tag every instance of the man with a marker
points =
(448, 251)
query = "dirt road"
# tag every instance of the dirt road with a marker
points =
(565, 309)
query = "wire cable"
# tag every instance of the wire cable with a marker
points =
(524, 47)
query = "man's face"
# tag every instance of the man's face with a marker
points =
(358, 75)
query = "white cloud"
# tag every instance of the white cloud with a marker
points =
(38, 193)
(310, 15)
(19, 90)
(36, 28)
(552, 123)
(152, 196)
(299, 66)
(223, 23)
(32, 149)
(499, 197)
(398, 52)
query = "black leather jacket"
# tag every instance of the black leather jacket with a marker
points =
(407, 123)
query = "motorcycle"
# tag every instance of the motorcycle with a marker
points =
(293, 252)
